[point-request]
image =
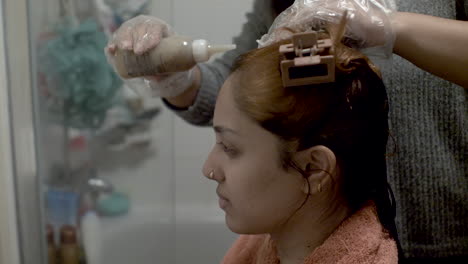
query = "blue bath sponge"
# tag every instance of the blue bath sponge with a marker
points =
(114, 204)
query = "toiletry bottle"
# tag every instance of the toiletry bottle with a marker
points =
(51, 249)
(62, 199)
(69, 250)
(172, 54)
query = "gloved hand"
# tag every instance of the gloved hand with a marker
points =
(142, 34)
(369, 22)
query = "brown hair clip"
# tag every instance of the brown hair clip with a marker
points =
(308, 59)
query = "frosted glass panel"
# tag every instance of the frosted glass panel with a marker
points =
(106, 153)
(120, 175)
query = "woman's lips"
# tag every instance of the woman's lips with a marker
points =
(223, 202)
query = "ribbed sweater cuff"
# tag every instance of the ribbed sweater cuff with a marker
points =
(201, 112)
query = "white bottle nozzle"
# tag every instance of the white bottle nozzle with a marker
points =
(220, 48)
(202, 50)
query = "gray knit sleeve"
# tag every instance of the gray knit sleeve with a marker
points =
(215, 72)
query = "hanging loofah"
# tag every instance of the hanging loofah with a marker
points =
(81, 86)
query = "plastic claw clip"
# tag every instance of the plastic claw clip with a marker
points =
(309, 60)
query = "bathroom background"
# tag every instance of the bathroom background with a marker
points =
(78, 150)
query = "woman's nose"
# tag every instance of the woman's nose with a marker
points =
(215, 175)
(211, 170)
(208, 168)
(207, 172)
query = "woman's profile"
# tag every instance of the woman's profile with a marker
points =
(301, 170)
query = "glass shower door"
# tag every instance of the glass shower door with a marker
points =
(94, 160)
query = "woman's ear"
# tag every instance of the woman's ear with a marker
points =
(319, 165)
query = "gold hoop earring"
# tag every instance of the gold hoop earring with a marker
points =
(211, 175)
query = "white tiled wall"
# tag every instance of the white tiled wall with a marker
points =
(217, 21)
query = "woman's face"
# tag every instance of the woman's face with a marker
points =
(257, 195)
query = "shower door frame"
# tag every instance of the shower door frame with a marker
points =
(20, 127)
(9, 248)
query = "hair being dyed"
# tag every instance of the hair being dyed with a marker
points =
(348, 116)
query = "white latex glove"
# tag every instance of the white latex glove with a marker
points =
(369, 22)
(164, 85)
(142, 34)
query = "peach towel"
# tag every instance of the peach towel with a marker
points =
(360, 239)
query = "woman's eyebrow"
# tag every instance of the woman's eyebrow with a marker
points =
(223, 130)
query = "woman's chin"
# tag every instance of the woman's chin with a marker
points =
(234, 226)
(241, 228)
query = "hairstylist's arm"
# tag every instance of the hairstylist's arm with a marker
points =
(186, 98)
(437, 45)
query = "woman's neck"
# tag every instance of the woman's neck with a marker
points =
(307, 230)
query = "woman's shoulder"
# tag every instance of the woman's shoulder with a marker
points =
(361, 238)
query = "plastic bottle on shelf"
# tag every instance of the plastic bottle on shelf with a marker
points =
(51, 248)
(69, 248)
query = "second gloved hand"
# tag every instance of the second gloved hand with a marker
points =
(369, 22)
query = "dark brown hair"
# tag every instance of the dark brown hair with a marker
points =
(349, 116)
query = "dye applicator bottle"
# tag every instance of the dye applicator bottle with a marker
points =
(172, 54)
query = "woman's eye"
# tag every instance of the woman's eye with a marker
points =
(226, 149)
